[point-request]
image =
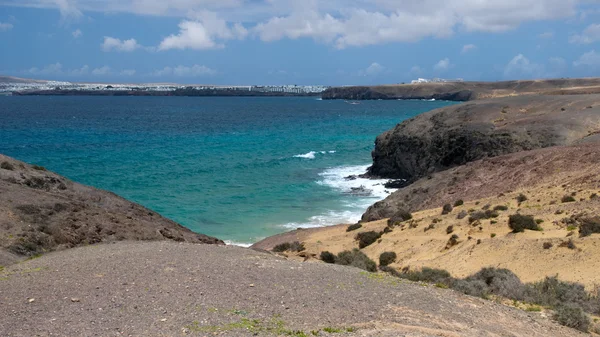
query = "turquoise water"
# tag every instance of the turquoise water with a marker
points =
(236, 168)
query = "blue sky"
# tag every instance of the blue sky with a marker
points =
(330, 42)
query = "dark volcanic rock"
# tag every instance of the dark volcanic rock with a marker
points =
(41, 211)
(455, 135)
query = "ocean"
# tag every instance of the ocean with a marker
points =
(238, 168)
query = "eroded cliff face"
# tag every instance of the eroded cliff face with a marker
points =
(41, 211)
(455, 135)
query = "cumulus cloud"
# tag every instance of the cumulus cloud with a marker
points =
(521, 67)
(589, 35)
(443, 65)
(105, 70)
(183, 71)
(51, 69)
(77, 33)
(468, 47)
(342, 23)
(372, 70)
(204, 32)
(81, 71)
(590, 59)
(113, 44)
(5, 26)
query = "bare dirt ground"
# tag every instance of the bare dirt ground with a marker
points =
(178, 289)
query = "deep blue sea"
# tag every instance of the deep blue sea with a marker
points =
(237, 168)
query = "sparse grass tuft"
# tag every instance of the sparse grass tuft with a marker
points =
(463, 214)
(589, 226)
(458, 203)
(548, 245)
(501, 208)
(327, 257)
(357, 259)
(573, 317)
(446, 209)
(289, 247)
(399, 217)
(567, 198)
(38, 168)
(521, 198)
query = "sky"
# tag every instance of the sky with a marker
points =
(304, 42)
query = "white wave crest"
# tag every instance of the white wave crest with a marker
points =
(312, 154)
(239, 244)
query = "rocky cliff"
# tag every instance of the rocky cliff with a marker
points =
(41, 211)
(466, 91)
(455, 135)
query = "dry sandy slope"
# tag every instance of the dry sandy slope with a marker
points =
(545, 176)
(169, 289)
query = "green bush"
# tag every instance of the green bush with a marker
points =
(488, 214)
(552, 292)
(327, 257)
(500, 282)
(357, 259)
(567, 198)
(463, 214)
(353, 227)
(459, 202)
(387, 258)
(399, 217)
(573, 317)
(446, 209)
(589, 226)
(501, 208)
(7, 166)
(366, 239)
(289, 247)
(519, 223)
(521, 198)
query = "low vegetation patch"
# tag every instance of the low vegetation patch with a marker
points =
(483, 215)
(519, 223)
(570, 300)
(589, 226)
(567, 198)
(387, 258)
(289, 247)
(327, 257)
(458, 203)
(38, 168)
(463, 214)
(353, 227)
(521, 198)
(449, 229)
(453, 241)
(446, 209)
(366, 239)
(548, 245)
(357, 259)
(399, 217)
(7, 166)
(501, 208)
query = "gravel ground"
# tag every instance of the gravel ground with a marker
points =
(175, 289)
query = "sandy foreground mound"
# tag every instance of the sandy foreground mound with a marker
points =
(41, 211)
(175, 289)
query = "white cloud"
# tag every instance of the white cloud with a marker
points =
(111, 43)
(5, 26)
(81, 71)
(443, 65)
(183, 71)
(101, 71)
(546, 35)
(372, 70)
(51, 69)
(468, 47)
(77, 33)
(127, 72)
(203, 33)
(342, 23)
(590, 35)
(590, 59)
(520, 67)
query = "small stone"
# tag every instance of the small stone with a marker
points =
(75, 299)
(163, 320)
(31, 300)
(252, 285)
